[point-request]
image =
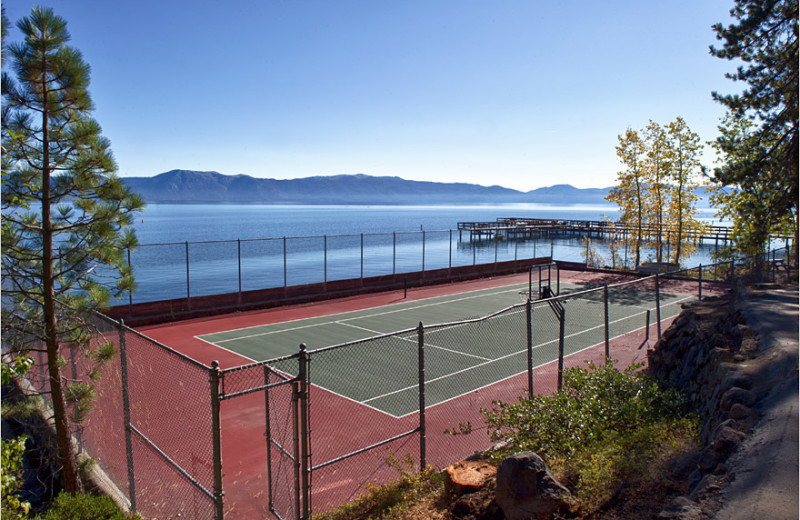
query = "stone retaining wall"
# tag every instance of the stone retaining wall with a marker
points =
(700, 353)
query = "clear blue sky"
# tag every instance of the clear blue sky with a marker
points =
(522, 94)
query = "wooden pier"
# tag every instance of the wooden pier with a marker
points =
(531, 228)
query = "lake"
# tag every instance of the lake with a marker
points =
(200, 249)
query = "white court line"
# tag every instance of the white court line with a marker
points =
(427, 345)
(341, 321)
(520, 352)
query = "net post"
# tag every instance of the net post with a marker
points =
(126, 410)
(529, 342)
(421, 374)
(305, 455)
(658, 306)
(216, 434)
(605, 323)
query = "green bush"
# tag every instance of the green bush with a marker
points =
(83, 507)
(605, 428)
(596, 403)
(12, 506)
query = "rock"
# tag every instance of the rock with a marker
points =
(726, 439)
(526, 490)
(682, 467)
(744, 413)
(707, 485)
(737, 395)
(467, 477)
(681, 508)
(707, 461)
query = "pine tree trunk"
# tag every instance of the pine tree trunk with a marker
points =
(69, 470)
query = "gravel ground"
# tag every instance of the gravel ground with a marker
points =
(765, 468)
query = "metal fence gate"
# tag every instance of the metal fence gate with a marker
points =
(281, 387)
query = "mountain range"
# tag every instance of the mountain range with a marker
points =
(187, 186)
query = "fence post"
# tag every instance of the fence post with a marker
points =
(421, 373)
(473, 249)
(268, 436)
(658, 307)
(216, 438)
(239, 257)
(561, 321)
(296, 456)
(450, 260)
(325, 258)
(126, 410)
(605, 313)
(700, 282)
(130, 291)
(529, 343)
(394, 252)
(305, 456)
(188, 291)
(423, 250)
(362, 255)
(285, 277)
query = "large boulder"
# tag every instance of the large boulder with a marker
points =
(527, 490)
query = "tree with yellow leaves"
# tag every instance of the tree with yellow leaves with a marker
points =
(629, 193)
(685, 148)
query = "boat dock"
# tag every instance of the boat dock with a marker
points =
(533, 228)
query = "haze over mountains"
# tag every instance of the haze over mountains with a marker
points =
(186, 186)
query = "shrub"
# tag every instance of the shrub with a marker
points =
(83, 507)
(12, 506)
(605, 427)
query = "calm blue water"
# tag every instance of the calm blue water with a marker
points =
(233, 247)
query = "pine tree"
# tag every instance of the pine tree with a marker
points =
(750, 205)
(62, 254)
(764, 40)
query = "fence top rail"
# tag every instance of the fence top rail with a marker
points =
(346, 235)
(476, 320)
(267, 362)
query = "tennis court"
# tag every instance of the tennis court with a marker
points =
(378, 368)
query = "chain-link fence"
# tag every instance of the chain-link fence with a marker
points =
(309, 431)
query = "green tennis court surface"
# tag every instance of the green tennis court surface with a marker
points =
(459, 358)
